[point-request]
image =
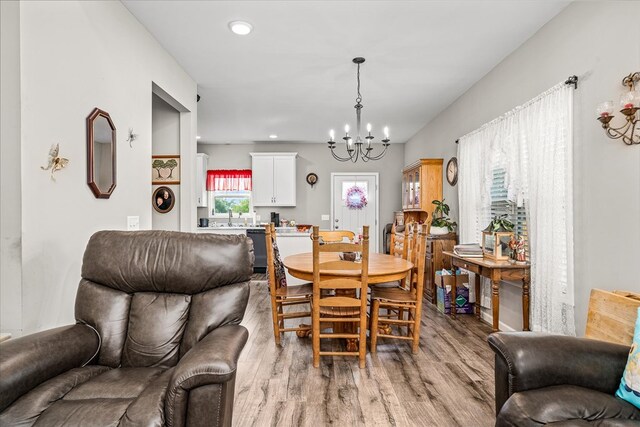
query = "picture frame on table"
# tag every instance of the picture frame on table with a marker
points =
(165, 169)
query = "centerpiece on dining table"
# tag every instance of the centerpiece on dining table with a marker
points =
(350, 256)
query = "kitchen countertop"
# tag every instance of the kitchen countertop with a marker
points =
(234, 227)
(280, 231)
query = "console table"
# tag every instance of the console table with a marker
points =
(496, 271)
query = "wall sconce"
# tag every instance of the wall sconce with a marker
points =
(630, 103)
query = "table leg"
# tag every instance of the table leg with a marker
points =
(477, 282)
(304, 333)
(495, 303)
(525, 302)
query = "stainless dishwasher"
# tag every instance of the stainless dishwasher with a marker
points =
(259, 249)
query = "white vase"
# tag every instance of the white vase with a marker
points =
(438, 231)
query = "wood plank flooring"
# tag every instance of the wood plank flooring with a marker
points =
(448, 383)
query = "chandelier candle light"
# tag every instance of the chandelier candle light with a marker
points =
(359, 148)
(630, 103)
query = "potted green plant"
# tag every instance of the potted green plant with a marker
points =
(496, 238)
(441, 223)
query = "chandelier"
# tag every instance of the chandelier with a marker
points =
(358, 148)
(630, 103)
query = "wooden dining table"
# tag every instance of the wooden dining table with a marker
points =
(382, 268)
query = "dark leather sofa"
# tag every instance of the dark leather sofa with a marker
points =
(156, 338)
(558, 380)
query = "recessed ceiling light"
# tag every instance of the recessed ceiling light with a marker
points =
(273, 136)
(198, 137)
(241, 28)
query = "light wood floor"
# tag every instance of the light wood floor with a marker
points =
(448, 383)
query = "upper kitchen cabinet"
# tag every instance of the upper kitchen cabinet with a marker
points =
(274, 179)
(202, 161)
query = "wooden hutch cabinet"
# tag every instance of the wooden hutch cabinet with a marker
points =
(421, 184)
(435, 261)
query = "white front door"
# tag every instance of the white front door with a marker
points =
(354, 203)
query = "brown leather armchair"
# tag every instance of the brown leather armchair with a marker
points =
(156, 338)
(559, 380)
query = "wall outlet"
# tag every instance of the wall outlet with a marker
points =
(133, 223)
(326, 218)
(257, 218)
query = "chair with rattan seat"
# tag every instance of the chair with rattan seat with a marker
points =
(407, 299)
(283, 295)
(341, 301)
(336, 236)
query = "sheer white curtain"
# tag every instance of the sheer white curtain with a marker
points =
(533, 144)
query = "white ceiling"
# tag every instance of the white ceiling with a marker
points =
(293, 75)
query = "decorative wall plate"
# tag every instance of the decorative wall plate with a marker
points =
(312, 179)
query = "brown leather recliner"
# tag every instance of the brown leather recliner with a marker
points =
(559, 380)
(156, 341)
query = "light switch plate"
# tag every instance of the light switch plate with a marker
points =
(133, 223)
(326, 218)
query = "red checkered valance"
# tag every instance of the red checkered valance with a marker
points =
(229, 180)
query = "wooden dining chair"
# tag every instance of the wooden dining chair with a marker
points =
(399, 235)
(336, 236)
(340, 300)
(401, 246)
(283, 295)
(406, 299)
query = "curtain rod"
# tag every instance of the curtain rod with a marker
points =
(571, 80)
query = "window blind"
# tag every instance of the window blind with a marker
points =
(501, 205)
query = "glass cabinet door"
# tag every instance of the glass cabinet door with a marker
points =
(410, 204)
(405, 191)
(416, 188)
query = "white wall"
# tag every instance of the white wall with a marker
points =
(599, 42)
(76, 56)
(314, 201)
(166, 140)
(10, 202)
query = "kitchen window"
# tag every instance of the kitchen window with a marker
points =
(223, 202)
(229, 190)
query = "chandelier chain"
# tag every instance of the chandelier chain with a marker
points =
(359, 98)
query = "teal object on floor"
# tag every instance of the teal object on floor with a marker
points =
(629, 389)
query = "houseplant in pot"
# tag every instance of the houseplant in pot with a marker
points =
(441, 223)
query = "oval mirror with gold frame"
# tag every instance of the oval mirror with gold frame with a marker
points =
(101, 154)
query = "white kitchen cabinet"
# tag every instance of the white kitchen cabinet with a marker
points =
(262, 180)
(202, 161)
(274, 179)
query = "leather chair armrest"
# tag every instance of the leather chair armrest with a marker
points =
(33, 359)
(530, 360)
(211, 361)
